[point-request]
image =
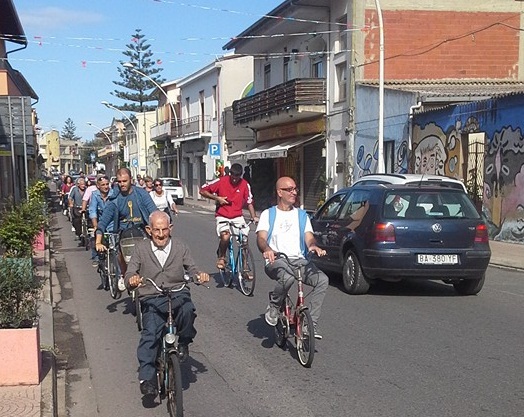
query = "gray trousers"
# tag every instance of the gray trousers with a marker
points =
(283, 274)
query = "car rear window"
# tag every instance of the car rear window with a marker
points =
(171, 183)
(423, 204)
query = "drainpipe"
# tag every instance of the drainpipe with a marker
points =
(410, 127)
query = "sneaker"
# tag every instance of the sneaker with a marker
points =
(148, 388)
(183, 352)
(271, 315)
(121, 284)
(65, 212)
(317, 334)
(94, 263)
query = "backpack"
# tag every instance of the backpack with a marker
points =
(302, 218)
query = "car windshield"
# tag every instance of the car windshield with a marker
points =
(171, 182)
(428, 204)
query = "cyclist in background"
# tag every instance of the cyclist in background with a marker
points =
(96, 199)
(231, 193)
(129, 208)
(64, 192)
(75, 204)
(284, 228)
(165, 260)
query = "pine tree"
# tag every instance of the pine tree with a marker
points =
(139, 54)
(69, 130)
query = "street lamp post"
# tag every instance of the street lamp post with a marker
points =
(131, 67)
(380, 90)
(105, 103)
(101, 130)
(110, 159)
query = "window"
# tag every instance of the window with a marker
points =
(188, 108)
(202, 110)
(342, 41)
(317, 69)
(355, 206)
(267, 76)
(389, 155)
(341, 74)
(331, 208)
(285, 75)
(215, 110)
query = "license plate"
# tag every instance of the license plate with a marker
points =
(437, 259)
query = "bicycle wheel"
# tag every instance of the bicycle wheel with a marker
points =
(113, 276)
(174, 387)
(246, 271)
(281, 330)
(305, 338)
(102, 270)
(226, 274)
(85, 235)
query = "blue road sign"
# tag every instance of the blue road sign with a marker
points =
(214, 150)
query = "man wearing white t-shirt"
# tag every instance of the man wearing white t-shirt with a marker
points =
(284, 228)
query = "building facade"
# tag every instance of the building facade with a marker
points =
(18, 141)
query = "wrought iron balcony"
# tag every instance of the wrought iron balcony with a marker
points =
(192, 128)
(301, 98)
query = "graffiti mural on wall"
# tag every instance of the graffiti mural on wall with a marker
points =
(367, 161)
(437, 150)
(503, 201)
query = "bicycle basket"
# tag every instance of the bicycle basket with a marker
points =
(127, 245)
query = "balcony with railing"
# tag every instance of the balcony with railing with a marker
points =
(301, 98)
(186, 129)
(192, 128)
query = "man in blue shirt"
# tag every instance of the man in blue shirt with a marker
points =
(129, 209)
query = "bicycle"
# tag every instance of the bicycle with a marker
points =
(108, 266)
(243, 265)
(86, 232)
(296, 318)
(169, 374)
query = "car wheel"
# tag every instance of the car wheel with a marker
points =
(353, 279)
(180, 202)
(470, 286)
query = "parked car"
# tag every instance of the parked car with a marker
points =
(175, 188)
(390, 232)
(413, 179)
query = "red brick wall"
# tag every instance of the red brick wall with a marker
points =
(412, 50)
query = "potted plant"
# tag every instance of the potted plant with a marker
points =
(20, 224)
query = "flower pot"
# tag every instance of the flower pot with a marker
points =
(20, 351)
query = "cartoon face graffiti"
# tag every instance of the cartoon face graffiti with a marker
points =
(430, 156)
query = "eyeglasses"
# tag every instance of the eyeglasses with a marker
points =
(158, 185)
(290, 189)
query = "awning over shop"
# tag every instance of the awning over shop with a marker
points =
(273, 149)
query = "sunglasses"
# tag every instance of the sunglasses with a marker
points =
(290, 189)
(158, 185)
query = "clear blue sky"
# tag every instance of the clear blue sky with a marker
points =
(75, 48)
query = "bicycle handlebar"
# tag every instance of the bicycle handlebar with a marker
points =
(163, 290)
(294, 263)
(238, 226)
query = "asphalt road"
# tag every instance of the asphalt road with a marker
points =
(408, 349)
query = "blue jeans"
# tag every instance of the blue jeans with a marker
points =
(154, 316)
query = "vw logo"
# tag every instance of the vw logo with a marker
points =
(437, 227)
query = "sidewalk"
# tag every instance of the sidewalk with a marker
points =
(48, 398)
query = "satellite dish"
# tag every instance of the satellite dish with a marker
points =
(316, 44)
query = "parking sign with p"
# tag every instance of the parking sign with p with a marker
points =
(214, 150)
